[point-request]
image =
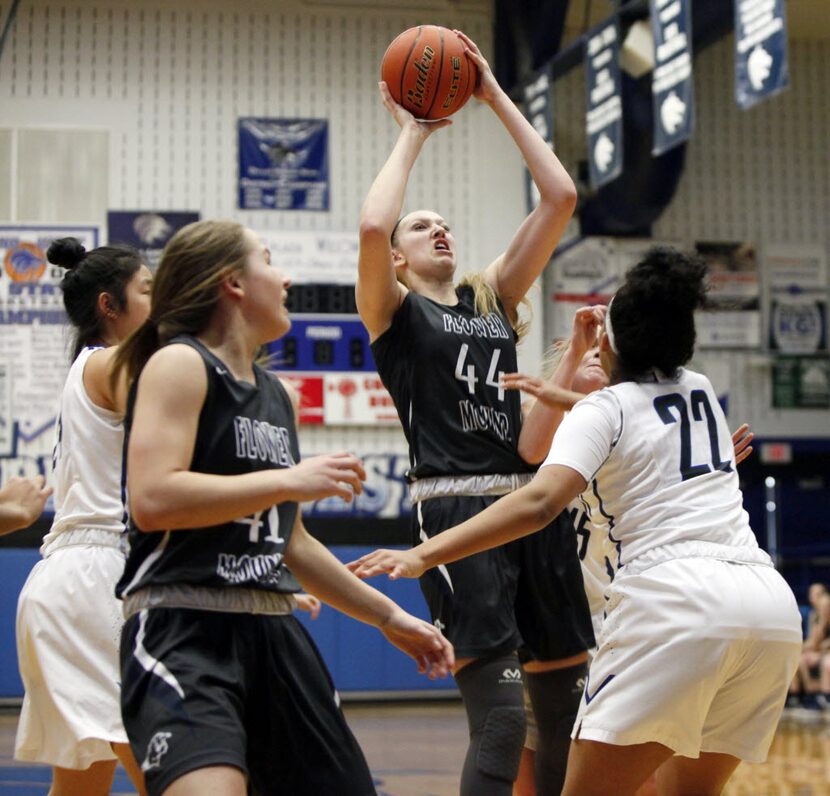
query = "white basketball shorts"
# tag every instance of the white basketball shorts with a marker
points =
(68, 631)
(695, 654)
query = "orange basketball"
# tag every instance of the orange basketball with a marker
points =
(428, 72)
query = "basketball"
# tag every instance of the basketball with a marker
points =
(428, 72)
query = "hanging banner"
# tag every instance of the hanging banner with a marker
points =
(539, 111)
(604, 103)
(146, 230)
(283, 164)
(801, 383)
(34, 352)
(731, 317)
(795, 276)
(761, 67)
(588, 271)
(672, 86)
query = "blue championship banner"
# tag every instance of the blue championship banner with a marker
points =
(604, 103)
(539, 111)
(761, 68)
(283, 164)
(672, 87)
(146, 230)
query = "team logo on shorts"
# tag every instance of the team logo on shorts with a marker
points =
(156, 749)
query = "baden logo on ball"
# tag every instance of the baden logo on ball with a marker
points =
(428, 72)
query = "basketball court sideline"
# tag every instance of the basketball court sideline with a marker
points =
(416, 749)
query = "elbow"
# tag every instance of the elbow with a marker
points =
(561, 196)
(543, 509)
(147, 515)
(531, 453)
(371, 229)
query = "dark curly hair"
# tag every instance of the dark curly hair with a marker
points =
(107, 269)
(652, 314)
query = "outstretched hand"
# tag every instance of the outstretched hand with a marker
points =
(422, 641)
(396, 563)
(742, 440)
(549, 394)
(405, 119)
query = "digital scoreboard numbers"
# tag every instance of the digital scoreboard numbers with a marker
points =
(325, 343)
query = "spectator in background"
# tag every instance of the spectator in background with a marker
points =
(811, 685)
(21, 502)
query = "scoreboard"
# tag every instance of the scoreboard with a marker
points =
(326, 333)
(326, 356)
(323, 343)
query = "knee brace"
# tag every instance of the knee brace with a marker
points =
(494, 699)
(555, 696)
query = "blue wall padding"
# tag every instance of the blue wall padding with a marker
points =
(358, 656)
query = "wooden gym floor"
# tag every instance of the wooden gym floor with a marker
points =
(416, 749)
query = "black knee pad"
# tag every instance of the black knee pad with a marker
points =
(555, 696)
(494, 699)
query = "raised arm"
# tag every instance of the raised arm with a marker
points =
(543, 416)
(512, 274)
(378, 292)
(166, 495)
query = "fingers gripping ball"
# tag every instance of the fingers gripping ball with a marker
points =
(428, 72)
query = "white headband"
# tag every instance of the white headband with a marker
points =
(609, 330)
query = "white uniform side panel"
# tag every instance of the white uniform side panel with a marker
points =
(87, 471)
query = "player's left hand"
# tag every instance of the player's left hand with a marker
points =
(486, 85)
(396, 563)
(420, 640)
(742, 440)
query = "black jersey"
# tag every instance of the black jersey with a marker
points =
(442, 365)
(242, 428)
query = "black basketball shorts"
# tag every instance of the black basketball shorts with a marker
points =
(526, 595)
(552, 609)
(207, 688)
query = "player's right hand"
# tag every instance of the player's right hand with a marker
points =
(586, 325)
(396, 563)
(404, 118)
(550, 394)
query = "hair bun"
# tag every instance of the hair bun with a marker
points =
(66, 252)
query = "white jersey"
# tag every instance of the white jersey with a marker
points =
(598, 557)
(660, 464)
(87, 463)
